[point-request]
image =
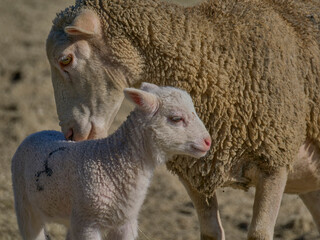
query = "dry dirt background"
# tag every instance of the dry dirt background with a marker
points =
(27, 105)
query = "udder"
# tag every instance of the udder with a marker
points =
(305, 174)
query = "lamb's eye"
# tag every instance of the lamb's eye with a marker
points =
(176, 119)
(65, 60)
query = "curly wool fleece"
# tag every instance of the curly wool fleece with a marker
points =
(251, 67)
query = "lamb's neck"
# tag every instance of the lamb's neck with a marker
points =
(130, 144)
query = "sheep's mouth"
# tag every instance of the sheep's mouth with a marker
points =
(69, 135)
(90, 133)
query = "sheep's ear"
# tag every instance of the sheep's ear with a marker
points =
(147, 102)
(148, 86)
(86, 23)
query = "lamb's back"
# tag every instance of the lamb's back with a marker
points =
(60, 176)
(43, 166)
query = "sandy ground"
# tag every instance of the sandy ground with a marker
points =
(27, 105)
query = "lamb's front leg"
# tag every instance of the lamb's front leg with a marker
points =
(269, 191)
(83, 229)
(126, 232)
(84, 232)
(208, 213)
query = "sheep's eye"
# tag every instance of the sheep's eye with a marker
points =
(176, 119)
(65, 60)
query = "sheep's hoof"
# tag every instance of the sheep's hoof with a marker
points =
(206, 237)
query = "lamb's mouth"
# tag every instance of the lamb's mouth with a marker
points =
(198, 150)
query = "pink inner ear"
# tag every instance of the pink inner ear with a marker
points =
(136, 98)
(73, 31)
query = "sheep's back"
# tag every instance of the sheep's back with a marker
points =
(256, 88)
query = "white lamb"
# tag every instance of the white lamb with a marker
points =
(98, 185)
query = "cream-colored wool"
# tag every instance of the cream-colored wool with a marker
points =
(251, 67)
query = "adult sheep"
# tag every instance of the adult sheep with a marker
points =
(252, 68)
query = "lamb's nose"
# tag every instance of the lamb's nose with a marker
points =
(207, 141)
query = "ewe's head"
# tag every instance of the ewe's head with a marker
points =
(170, 120)
(89, 72)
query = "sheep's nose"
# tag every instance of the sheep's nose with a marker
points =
(207, 141)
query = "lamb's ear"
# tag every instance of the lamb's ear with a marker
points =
(148, 102)
(148, 86)
(86, 23)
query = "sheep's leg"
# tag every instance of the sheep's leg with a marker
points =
(312, 202)
(208, 213)
(126, 232)
(269, 191)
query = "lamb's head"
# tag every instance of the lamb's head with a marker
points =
(170, 120)
(89, 72)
